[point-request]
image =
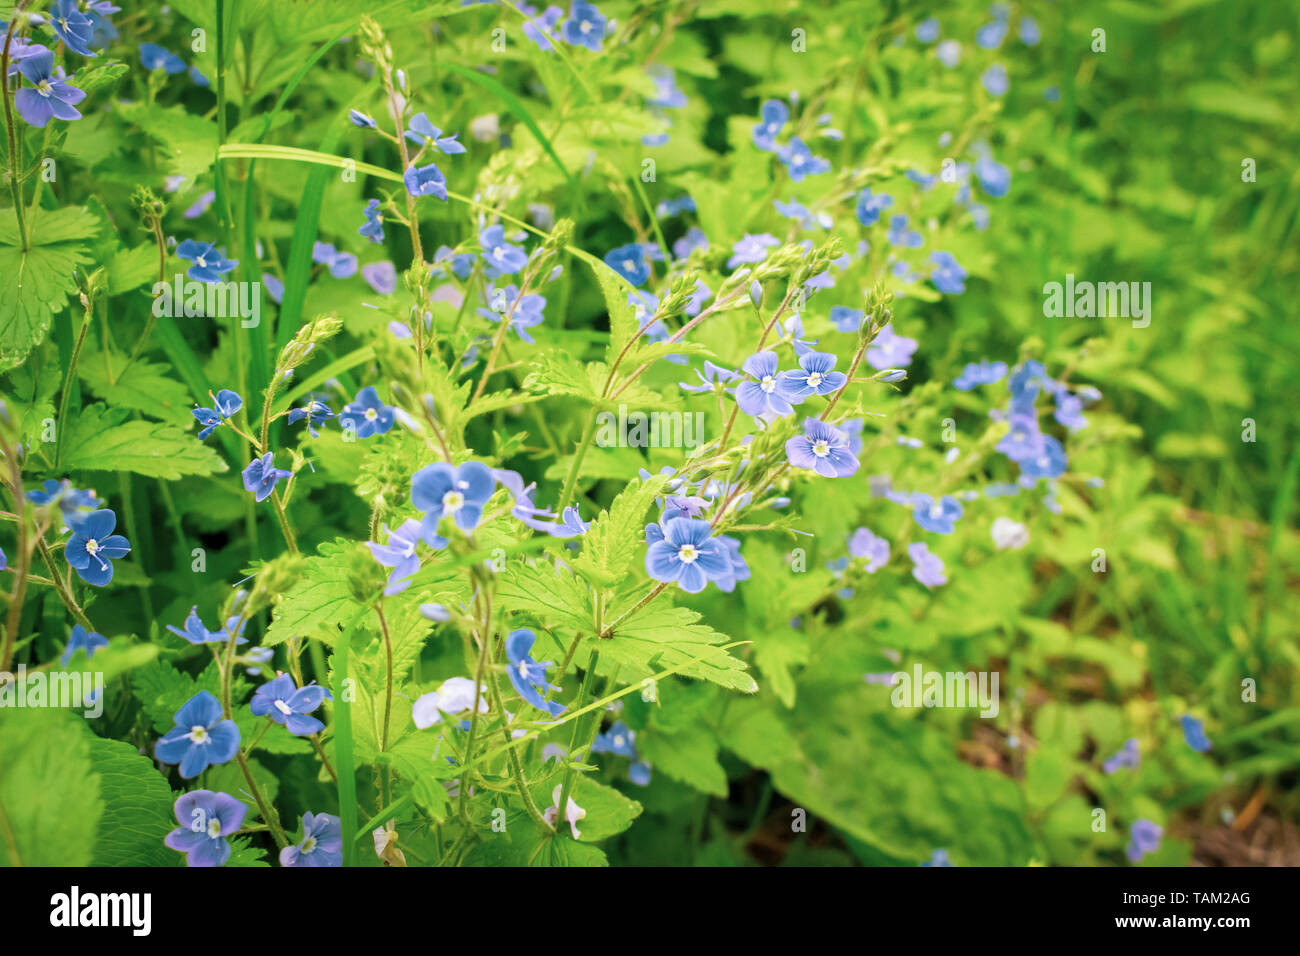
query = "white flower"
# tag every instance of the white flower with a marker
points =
(1009, 534)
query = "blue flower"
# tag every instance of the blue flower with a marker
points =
(823, 448)
(948, 275)
(714, 378)
(288, 705)
(316, 412)
(342, 265)
(441, 490)
(739, 570)
(501, 257)
(938, 858)
(374, 225)
(775, 114)
(761, 396)
(198, 78)
(927, 31)
(1144, 837)
(541, 30)
(800, 161)
(900, 235)
(209, 263)
(321, 843)
(1050, 462)
(399, 554)
(201, 737)
(1023, 440)
(995, 179)
(206, 820)
(49, 95)
(1194, 734)
(226, 404)
(630, 262)
(529, 676)
(366, 414)
(585, 26)
(79, 639)
(196, 632)
(865, 544)
(687, 555)
(380, 276)
(890, 350)
(1127, 756)
(261, 475)
(1029, 32)
(425, 181)
(751, 248)
(995, 80)
(427, 136)
(982, 373)
(619, 739)
(154, 57)
(361, 119)
(97, 12)
(570, 524)
(990, 36)
(927, 568)
(847, 320)
(667, 95)
(937, 516)
(523, 316)
(73, 503)
(639, 773)
(694, 239)
(870, 207)
(814, 376)
(949, 53)
(93, 547)
(1069, 410)
(72, 27)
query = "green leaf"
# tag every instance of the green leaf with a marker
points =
(609, 812)
(50, 803)
(548, 593)
(689, 756)
(40, 278)
(611, 544)
(318, 601)
(101, 439)
(658, 637)
(143, 386)
(187, 142)
(137, 808)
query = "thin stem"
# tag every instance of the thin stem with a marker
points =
(516, 768)
(658, 589)
(68, 378)
(19, 213)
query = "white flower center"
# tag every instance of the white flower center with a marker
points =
(371, 414)
(619, 740)
(198, 734)
(821, 448)
(283, 708)
(768, 383)
(43, 88)
(523, 669)
(772, 128)
(92, 546)
(585, 26)
(214, 828)
(1043, 462)
(687, 553)
(199, 261)
(498, 253)
(814, 378)
(452, 502)
(308, 845)
(936, 512)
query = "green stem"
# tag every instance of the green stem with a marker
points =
(588, 679)
(19, 213)
(69, 378)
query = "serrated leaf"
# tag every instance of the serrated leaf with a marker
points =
(320, 600)
(143, 386)
(549, 593)
(689, 756)
(659, 637)
(187, 142)
(137, 808)
(611, 544)
(100, 439)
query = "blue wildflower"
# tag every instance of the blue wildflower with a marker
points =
(72, 27)
(714, 378)
(937, 516)
(399, 554)
(196, 632)
(619, 740)
(799, 160)
(209, 263)
(93, 547)
(981, 373)
(1050, 462)
(1029, 32)
(875, 549)
(938, 858)
(871, 206)
(774, 115)
(201, 737)
(541, 30)
(374, 225)
(427, 136)
(927, 31)
(890, 350)
(206, 821)
(316, 412)
(630, 262)
(814, 376)
(501, 257)
(694, 239)
(321, 843)
(289, 705)
(261, 476)
(79, 640)
(366, 415)
(361, 119)
(528, 675)
(761, 396)
(442, 490)
(225, 405)
(823, 448)
(425, 181)
(687, 555)
(948, 275)
(1127, 756)
(900, 235)
(667, 95)
(847, 320)
(751, 248)
(1194, 734)
(341, 265)
(585, 26)
(995, 80)
(1144, 838)
(927, 568)
(154, 57)
(49, 96)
